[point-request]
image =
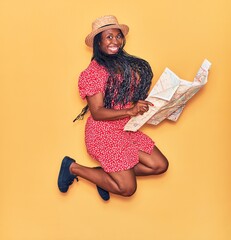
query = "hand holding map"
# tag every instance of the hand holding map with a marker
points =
(169, 96)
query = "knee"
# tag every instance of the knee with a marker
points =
(128, 191)
(160, 167)
(164, 166)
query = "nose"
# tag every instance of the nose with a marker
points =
(115, 40)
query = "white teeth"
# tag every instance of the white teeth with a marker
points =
(113, 49)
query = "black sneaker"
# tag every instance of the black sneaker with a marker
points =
(65, 178)
(103, 193)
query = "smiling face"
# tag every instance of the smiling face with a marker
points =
(111, 41)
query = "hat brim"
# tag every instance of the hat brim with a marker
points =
(90, 37)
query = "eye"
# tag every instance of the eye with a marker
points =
(109, 37)
(119, 36)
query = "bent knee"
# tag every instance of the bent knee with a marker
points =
(160, 167)
(128, 191)
(163, 166)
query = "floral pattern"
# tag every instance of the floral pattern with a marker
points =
(106, 141)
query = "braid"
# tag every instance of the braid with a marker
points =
(129, 77)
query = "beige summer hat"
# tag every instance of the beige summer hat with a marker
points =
(103, 23)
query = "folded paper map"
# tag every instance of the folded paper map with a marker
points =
(169, 96)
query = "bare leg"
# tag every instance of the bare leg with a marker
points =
(121, 183)
(151, 164)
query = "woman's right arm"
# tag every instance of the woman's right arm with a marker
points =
(100, 113)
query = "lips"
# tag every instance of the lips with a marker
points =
(113, 49)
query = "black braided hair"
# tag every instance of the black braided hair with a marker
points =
(129, 76)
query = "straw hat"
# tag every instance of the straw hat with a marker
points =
(103, 23)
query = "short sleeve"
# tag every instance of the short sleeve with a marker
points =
(92, 80)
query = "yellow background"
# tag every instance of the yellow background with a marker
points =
(42, 53)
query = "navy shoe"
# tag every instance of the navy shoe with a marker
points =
(103, 193)
(65, 178)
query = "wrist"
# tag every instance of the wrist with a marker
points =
(128, 112)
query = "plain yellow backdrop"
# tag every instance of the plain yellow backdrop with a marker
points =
(42, 53)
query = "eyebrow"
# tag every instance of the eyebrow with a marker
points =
(110, 33)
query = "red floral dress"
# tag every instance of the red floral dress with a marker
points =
(106, 141)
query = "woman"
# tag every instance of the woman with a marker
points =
(115, 85)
